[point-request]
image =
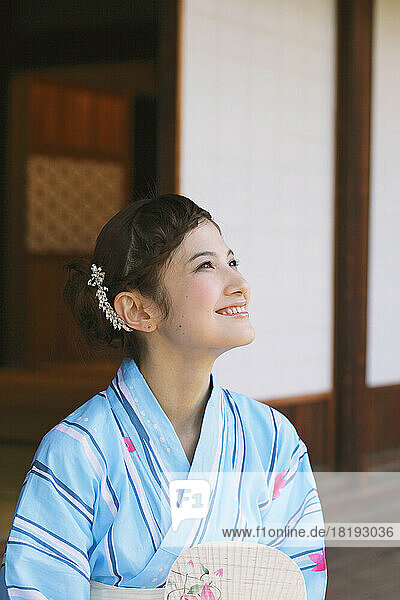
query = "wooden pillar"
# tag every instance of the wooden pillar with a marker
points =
(352, 411)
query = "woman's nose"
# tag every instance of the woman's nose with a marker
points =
(240, 285)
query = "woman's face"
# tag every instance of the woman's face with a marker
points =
(198, 287)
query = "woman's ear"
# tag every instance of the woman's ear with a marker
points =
(129, 306)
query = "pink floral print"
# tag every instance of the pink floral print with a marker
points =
(280, 483)
(319, 559)
(206, 593)
(129, 445)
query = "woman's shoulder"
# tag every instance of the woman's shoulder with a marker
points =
(89, 416)
(87, 432)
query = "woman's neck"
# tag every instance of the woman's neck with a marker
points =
(182, 388)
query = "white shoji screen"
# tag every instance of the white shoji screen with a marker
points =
(257, 150)
(383, 313)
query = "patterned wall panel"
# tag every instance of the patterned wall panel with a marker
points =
(68, 201)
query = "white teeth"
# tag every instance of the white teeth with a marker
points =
(233, 310)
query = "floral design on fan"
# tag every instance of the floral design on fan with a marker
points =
(201, 587)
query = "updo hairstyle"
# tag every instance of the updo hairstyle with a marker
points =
(133, 248)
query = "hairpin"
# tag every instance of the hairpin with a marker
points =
(97, 278)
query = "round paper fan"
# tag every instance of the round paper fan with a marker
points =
(228, 570)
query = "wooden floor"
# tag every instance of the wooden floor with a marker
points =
(353, 573)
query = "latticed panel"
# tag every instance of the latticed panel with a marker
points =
(68, 202)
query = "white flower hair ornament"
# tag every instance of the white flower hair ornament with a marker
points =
(97, 279)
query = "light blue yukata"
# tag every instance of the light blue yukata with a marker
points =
(95, 502)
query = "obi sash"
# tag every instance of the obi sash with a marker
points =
(100, 591)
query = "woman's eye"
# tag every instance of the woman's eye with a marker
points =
(203, 265)
(210, 263)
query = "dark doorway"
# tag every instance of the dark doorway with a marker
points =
(108, 57)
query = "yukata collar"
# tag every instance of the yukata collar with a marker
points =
(160, 428)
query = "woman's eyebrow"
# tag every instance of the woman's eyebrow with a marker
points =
(208, 253)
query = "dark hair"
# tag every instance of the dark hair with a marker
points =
(133, 248)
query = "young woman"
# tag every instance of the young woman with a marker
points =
(94, 514)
